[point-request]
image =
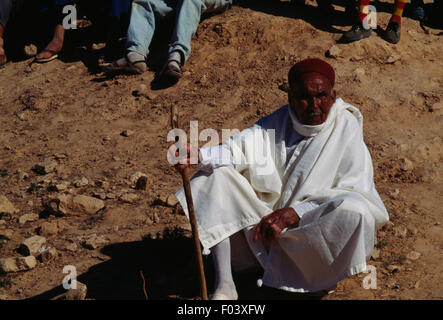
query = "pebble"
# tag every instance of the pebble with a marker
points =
(400, 231)
(29, 217)
(6, 206)
(32, 245)
(22, 175)
(375, 254)
(393, 268)
(136, 176)
(48, 229)
(129, 197)
(413, 255)
(406, 164)
(16, 264)
(171, 200)
(71, 247)
(333, 52)
(45, 167)
(77, 294)
(81, 183)
(47, 255)
(127, 133)
(94, 242)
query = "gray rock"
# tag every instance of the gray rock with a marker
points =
(16, 264)
(29, 217)
(6, 206)
(32, 245)
(45, 167)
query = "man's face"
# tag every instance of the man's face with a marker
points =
(311, 97)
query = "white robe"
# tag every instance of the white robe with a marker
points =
(331, 167)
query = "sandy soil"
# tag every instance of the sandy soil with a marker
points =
(69, 113)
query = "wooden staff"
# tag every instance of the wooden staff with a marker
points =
(192, 219)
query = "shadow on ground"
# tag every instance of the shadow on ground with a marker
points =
(169, 270)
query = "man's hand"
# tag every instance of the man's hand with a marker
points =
(273, 224)
(182, 164)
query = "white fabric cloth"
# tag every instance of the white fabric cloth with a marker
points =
(331, 167)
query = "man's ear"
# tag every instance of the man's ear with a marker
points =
(333, 94)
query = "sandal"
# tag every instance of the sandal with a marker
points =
(127, 68)
(169, 72)
(54, 55)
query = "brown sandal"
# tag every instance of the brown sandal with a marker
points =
(54, 55)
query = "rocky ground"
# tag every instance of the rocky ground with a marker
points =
(84, 179)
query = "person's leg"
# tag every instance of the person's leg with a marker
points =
(360, 30)
(5, 13)
(224, 283)
(56, 44)
(392, 32)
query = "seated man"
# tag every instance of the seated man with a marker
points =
(142, 27)
(297, 187)
(360, 30)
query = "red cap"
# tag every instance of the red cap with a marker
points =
(312, 65)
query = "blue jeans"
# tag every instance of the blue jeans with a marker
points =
(188, 13)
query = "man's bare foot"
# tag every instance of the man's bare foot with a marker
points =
(54, 47)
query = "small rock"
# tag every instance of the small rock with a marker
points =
(413, 230)
(406, 164)
(359, 74)
(48, 229)
(61, 186)
(155, 217)
(32, 245)
(85, 204)
(129, 197)
(134, 178)
(142, 183)
(2, 222)
(375, 254)
(29, 217)
(22, 175)
(333, 52)
(141, 89)
(392, 59)
(413, 255)
(6, 234)
(71, 247)
(6, 206)
(106, 138)
(400, 231)
(127, 133)
(47, 255)
(79, 293)
(93, 242)
(45, 167)
(110, 196)
(17, 264)
(171, 200)
(3, 297)
(102, 184)
(394, 194)
(81, 183)
(58, 205)
(99, 195)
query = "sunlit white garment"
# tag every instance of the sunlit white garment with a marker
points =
(330, 166)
